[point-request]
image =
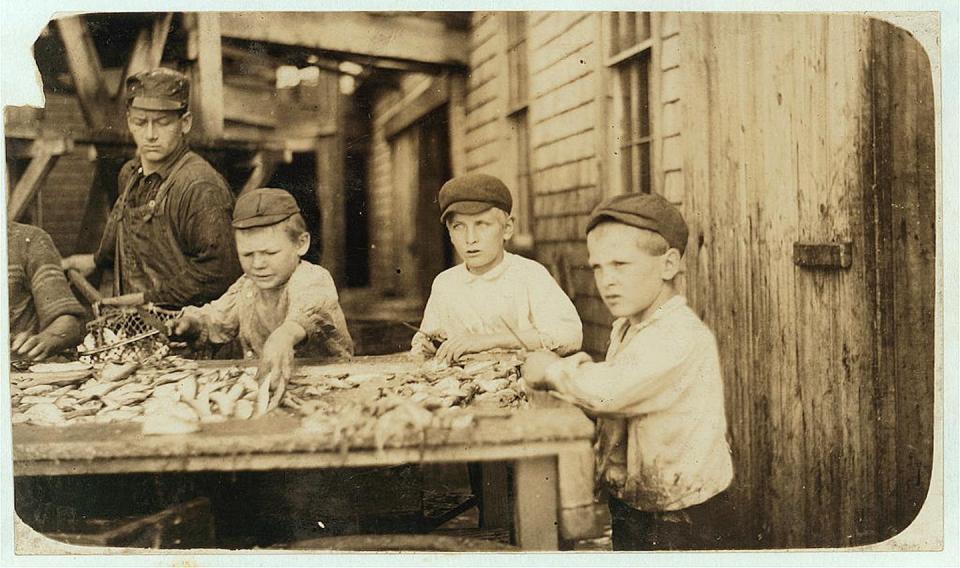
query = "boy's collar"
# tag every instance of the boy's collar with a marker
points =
(670, 305)
(491, 274)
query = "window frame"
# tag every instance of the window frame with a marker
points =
(616, 59)
(517, 122)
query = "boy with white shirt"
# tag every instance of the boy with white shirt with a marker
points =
(478, 305)
(663, 455)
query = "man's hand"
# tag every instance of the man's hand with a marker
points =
(36, 347)
(82, 263)
(458, 346)
(534, 370)
(183, 328)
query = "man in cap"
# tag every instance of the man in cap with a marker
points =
(658, 398)
(281, 303)
(494, 299)
(168, 236)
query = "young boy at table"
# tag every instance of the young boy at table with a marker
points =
(281, 303)
(663, 455)
(481, 303)
(45, 317)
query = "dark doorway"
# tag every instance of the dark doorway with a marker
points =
(433, 153)
(299, 177)
(357, 222)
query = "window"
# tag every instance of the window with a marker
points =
(517, 121)
(629, 54)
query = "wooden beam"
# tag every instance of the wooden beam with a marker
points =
(87, 73)
(246, 105)
(390, 36)
(332, 202)
(147, 51)
(535, 515)
(435, 95)
(45, 155)
(203, 47)
(457, 117)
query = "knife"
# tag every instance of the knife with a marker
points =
(434, 339)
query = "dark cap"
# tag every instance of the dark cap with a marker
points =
(263, 207)
(645, 211)
(473, 193)
(158, 89)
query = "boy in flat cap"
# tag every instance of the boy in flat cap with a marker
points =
(168, 236)
(281, 302)
(663, 455)
(479, 305)
(45, 317)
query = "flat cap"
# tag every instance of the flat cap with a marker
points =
(263, 207)
(473, 193)
(158, 89)
(645, 211)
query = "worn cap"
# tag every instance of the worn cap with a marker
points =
(473, 193)
(158, 89)
(263, 207)
(644, 211)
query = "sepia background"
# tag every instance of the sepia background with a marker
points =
(801, 149)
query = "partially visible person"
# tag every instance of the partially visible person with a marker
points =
(663, 455)
(282, 304)
(168, 237)
(492, 297)
(45, 316)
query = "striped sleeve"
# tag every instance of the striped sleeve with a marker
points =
(51, 291)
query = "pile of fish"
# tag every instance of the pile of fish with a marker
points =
(122, 350)
(407, 405)
(172, 394)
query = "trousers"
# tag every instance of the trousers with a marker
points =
(706, 526)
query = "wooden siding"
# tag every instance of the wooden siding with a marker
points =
(819, 442)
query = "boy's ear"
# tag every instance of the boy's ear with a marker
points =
(186, 122)
(303, 243)
(508, 228)
(671, 264)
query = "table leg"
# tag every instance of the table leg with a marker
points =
(535, 491)
(495, 510)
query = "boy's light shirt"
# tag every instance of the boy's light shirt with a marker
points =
(518, 290)
(662, 442)
(309, 298)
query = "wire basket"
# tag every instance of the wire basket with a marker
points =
(121, 334)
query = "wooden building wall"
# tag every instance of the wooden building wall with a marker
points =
(830, 406)
(831, 439)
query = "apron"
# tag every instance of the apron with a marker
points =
(147, 250)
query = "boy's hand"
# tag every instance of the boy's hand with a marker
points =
(276, 362)
(35, 347)
(458, 346)
(534, 370)
(183, 328)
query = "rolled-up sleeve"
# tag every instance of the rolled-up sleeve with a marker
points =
(553, 315)
(51, 291)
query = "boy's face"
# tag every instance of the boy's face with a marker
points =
(268, 255)
(479, 238)
(629, 279)
(157, 133)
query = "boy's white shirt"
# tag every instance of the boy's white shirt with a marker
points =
(662, 443)
(519, 290)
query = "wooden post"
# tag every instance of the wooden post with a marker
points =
(495, 498)
(148, 50)
(535, 489)
(330, 199)
(457, 109)
(203, 47)
(45, 154)
(86, 71)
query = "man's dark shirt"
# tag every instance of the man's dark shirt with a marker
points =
(192, 258)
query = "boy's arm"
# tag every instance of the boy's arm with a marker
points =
(555, 319)
(217, 321)
(634, 383)
(421, 344)
(315, 308)
(63, 332)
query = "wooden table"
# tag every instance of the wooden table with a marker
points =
(550, 449)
